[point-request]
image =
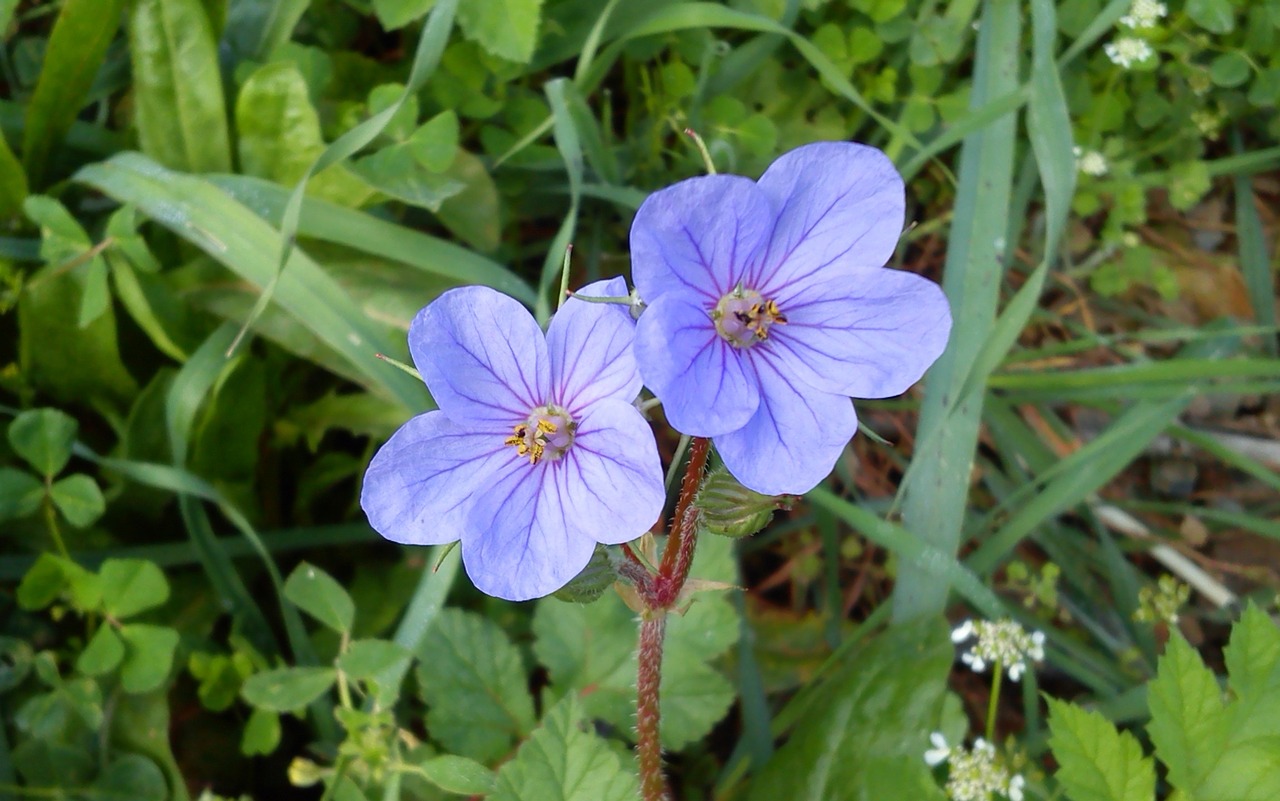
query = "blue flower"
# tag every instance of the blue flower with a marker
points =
(769, 307)
(536, 453)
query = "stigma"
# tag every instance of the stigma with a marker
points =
(743, 317)
(546, 434)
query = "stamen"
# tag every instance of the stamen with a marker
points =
(547, 433)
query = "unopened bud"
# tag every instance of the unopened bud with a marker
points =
(305, 773)
(731, 510)
(591, 583)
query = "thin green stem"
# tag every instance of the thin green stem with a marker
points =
(702, 149)
(994, 701)
(51, 521)
(564, 276)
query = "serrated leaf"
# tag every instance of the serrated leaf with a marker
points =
(564, 761)
(1253, 656)
(102, 654)
(506, 28)
(287, 689)
(475, 686)
(131, 777)
(459, 775)
(20, 493)
(321, 596)
(130, 586)
(261, 733)
(1186, 715)
(863, 733)
(79, 500)
(43, 437)
(1096, 762)
(148, 656)
(591, 649)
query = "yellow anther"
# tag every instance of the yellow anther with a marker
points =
(547, 427)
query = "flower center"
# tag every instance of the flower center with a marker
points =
(546, 434)
(744, 317)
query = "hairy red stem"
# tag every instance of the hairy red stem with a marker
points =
(653, 786)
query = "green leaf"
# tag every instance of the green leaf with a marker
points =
(97, 295)
(1095, 761)
(257, 28)
(506, 28)
(1187, 716)
(43, 437)
(20, 493)
(261, 733)
(563, 760)
(395, 14)
(131, 777)
(396, 171)
(591, 650)
(177, 86)
(863, 733)
(458, 775)
(1230, 69)
(102, 654)
(1216, 16)
(13, 181)
(78, 499)
(130, 586)
(1253, 656)
(50, 576)
(365, 659)
(81, 34)
(321, 596)
(435, 143)
(474, 683)
(140, 725)
(148, 656)
(287, 689)
(16, 657)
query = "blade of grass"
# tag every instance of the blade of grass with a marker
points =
(935, 501)
(567, 142)
(1254, 263)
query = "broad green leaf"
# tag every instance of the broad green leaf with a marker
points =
(564, 760)
(287, 689)
(130, 586)
(232, 234)
(1215, 16)
(396, 171)
(62, 237)
(590, 649)
(13, 180)
(279, 135)
(1095, 761)
(473, 214)
(148, 656)
(864, 736)
(51, 576)
(435, 143)
(140, 725)
(1187, 716)
(43, 437)
(403, 109)
(102, 654)
(79, 41)
(473, 680)
(177, 86)
(395, 14)
(97, 295)
(261, 733)
(46, 763)
(1253, 656)
(458, 775)
(16, 657)
(319, 595)
(131, 777)
(1230, 69)
(506, 28)
(20, 493)
(257, 28)
(365, 659)
(79, 499)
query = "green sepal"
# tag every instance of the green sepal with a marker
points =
(731, 510)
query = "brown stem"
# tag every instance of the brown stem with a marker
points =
(698, 450)
(653, 786)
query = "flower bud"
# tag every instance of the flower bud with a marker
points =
(731, 510)
(591, 583)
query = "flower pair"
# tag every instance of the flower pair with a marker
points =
(767, 308)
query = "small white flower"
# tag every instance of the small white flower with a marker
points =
(1015, 788)
(977, 773)
(939, 753)
(1144, 14)
(1128, 50)
(1090, 162)
(1003, 643)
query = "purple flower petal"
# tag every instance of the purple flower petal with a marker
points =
(618, 492)
(704, 385)
(794, 438)
(590, 348)
(521, 541)
(839, 203)
(419, 486)
(699, 235)
(482, 355)
(865, 333)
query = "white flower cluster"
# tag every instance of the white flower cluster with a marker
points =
(1144, 14)
(974, 774)
(1090, 162)
(1003, 643)
(1128, 50)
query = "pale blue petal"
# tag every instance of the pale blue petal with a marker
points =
(482, 355)
(618, 492)
(419, 486)
(793, 440)
(699, 236)
(865, 333)
(521, 544)
(839, 203)
(590, 349)
(701, 379)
